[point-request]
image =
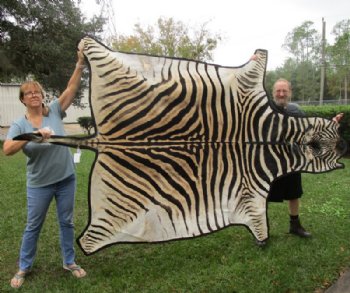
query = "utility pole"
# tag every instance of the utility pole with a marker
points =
(323, 61)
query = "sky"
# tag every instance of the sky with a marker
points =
(244, 25)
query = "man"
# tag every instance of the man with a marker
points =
(288, 187)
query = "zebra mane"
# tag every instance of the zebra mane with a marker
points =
(185, 148)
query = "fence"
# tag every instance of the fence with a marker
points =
(325, 102)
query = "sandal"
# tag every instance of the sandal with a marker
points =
(76, 270)
(18, 279)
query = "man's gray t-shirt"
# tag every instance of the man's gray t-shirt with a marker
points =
(294, 109)
(46, 163)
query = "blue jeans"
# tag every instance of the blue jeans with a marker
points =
(38, 202)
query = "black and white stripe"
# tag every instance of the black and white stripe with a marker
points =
(185, 148)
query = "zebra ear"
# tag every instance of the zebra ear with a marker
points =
(309, 133)
(308, 153)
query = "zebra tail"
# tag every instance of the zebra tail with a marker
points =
(72, 141)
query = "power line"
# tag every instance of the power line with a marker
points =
(107, 12)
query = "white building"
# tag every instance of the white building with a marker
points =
(11, 108)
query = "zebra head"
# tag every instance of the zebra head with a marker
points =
(321, 146)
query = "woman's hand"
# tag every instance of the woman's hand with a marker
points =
(80, 55)
(69, 93)
(46, 133)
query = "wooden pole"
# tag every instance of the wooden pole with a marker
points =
(323, 61)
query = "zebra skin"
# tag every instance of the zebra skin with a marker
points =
(185, 148)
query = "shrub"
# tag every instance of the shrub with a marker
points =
(87, 123)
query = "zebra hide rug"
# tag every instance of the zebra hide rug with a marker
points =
(185, 148)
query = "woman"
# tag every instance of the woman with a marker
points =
(50, 171)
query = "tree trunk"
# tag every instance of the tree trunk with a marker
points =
(346, 90)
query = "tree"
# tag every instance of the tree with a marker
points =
(303, 67)
(304, 44)
(340, 57)
(87, 123)
(170, 38)
(39, 38)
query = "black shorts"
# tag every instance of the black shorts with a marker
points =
(286, 188)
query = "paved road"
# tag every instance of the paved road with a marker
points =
(342, 285)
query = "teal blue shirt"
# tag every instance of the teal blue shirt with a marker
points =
(46, 163)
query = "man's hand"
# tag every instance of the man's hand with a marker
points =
(338, 117)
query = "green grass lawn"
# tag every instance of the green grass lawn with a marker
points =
(225, 261)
